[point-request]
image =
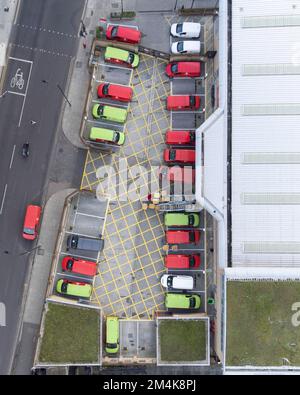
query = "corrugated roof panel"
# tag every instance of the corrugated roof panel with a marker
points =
(270, 21)
(274, 247)
(270, 198)
(271, 109)
(252, 158)
(270, 69)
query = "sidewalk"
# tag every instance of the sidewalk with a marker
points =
(6, 24)
(81, 76)
(38, 283)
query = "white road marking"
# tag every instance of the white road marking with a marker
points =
(12, 157)
(26, 90)
(3, 199)
(89, 215)
(79, 256)
(16, 93)
(110, 103)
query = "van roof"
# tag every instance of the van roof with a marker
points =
(117, 53)
(32, 213)
(102, 134)
(112, 329)
(109, 111)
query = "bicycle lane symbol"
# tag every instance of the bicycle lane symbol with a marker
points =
(17, 80)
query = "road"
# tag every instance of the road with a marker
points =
(43, 43)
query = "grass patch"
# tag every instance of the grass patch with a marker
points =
(259, 323)
(71, 335)
(182, 340)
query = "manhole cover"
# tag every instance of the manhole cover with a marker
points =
(41, 251)
(78, 65)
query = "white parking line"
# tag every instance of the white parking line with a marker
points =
(74, 276)
(21, 60)
(12, 157)
(3, 199)
(79, 256)
(114, 24)
(82, 235)
(108, 123)
(115, 67)
(89, 215)
(112, 104)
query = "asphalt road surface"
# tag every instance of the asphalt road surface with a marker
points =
(44, 40)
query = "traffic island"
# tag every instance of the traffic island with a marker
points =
(69, 336)
(183, 341)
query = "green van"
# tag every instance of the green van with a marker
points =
(182, 219)
(112, 335)
(182, 301)
(107, 135)
(81, 290)
(109, 113)
(121, 56)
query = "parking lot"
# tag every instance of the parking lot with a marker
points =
(84, 216)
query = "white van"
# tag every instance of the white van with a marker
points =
(186, 30)
(186, 47)
(171, 281)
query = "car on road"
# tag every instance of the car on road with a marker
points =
(107, 136)
(74, 288)
(112, 335)
(185, 174)
(79, 266)
(186, 30)
(182, 219)
(182, 236)
(76, 242)
(183, 103)
(182, 301)
(186, 47)
(31, 222)
(183, 69)
(115, 92)
(122, 57)
(124, 34)
(173, 281)
(180, 137)
(180, 155)
(178, 261)
(109, 113)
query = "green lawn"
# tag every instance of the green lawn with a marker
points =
(259, 326)
(72, 334)
(182, 340)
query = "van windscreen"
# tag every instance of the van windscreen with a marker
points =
(29, 231)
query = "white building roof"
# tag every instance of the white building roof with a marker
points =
(265, 133)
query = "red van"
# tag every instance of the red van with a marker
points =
(183, 69)
(115, 92)
(31, 222)
(186, 174)
(174, 261)
(183, 102)
(180, 155)
(180, 137)
(123, 34)
(182, 236)
(79, 266)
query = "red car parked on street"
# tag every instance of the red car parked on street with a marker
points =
(79, 266)
(183, 69)
(182, 236)
(180, 137)
(115, 92)
(183, 102)
(31, 222)
(174, 261)
(123, 34)
(180, 155)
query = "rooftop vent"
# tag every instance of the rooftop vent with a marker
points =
(270, 21)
